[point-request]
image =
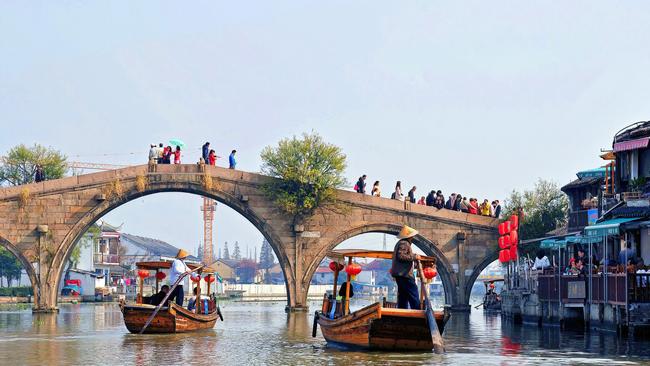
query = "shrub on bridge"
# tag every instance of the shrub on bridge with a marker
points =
(309, 171)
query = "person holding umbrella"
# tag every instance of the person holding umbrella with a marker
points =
(177, 155)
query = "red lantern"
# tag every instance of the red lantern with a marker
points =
(160, 276)
(143, 273)
(513, 253)
(515, 222)
(195, 279)
(429, 272)
(353, 269)
(209, 278)
(507, 226)
(504, 256)
(334, 266)
(506, 241)
(514, 237)
(502, 244)
(502, 228)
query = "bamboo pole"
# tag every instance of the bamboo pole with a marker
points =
(347, 290)
(336, 277)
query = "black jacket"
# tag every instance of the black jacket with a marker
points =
(403, 258)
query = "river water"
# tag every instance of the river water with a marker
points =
(262, 333)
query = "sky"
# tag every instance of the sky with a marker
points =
(466, 96)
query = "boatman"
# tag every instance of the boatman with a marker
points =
(178, 268)
(402, 270)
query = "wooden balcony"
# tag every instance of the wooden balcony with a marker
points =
(615, 288)
(101, 258)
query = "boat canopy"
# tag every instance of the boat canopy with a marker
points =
(155, 265)
(379, 254)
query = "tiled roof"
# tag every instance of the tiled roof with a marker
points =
(154, 246)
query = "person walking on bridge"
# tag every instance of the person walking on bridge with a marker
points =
(205, 152)
(232, 163)
(402, 270)
(177, 155)
(376, 192)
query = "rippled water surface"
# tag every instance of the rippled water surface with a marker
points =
(262, 333)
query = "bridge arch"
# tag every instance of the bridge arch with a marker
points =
(78, 230)
(445, 270)
(491, 257)
(31, 273)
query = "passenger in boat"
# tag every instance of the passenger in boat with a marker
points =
(191, 303)
(156, 299)
(402, 270)
(343, 290)
(178, 268)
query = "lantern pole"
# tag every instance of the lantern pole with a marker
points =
(336, 277)
(157, 280)
(347, 289)
(197, 308)
(141, 288)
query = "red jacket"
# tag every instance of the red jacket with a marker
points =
(212, 159)
(177, 157)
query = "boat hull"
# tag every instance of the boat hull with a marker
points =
(172, 319)
(378, 328)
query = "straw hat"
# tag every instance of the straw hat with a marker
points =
(182, 254)
(407, 232)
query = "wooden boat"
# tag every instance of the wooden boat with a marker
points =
(491, 300)
(381, 326)
(171, 318)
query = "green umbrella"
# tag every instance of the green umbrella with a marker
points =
(176, 142)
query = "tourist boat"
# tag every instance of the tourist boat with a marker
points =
(491, 300)
(380, 326)
(171, 318)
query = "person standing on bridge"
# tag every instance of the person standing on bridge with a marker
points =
(402, 270)
(178, 268)
(232, 163)
(376, 192)
(398, 195)
(177, 155)
(153, 154)
(212, 158)
(205, 152)
(360, 187)
(411, 195)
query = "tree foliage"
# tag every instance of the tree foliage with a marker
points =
(545, 208)
(10, 267)
(236, 255)
(246, 271)
(266, 255)
(19, 165)
(309, 170)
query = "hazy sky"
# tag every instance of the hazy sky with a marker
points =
(471, 97)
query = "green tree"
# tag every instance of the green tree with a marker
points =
(19, 165)
(545, 208)
(309, 171)
(266, 260)
(10, 267)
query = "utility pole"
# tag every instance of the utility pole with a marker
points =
(208, 208)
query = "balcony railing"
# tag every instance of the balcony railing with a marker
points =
(101, 258)
(578, 219)
(614, 289)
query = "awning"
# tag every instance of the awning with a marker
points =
(553, 244)
(636, 225)
(631, 144)
(592, 173)
(608, 227)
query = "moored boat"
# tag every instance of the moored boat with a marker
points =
(380, 326)
(171, 318)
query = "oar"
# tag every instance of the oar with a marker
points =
(436, 337)
(171, 291)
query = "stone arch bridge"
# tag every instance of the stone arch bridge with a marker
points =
(41, 222)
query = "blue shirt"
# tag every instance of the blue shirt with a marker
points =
(232, 161)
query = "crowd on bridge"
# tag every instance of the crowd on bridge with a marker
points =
(455, 202)
(159, 154)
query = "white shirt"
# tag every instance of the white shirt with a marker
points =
(178, 268)
(541, 263)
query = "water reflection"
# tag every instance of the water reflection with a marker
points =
(262, 333)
